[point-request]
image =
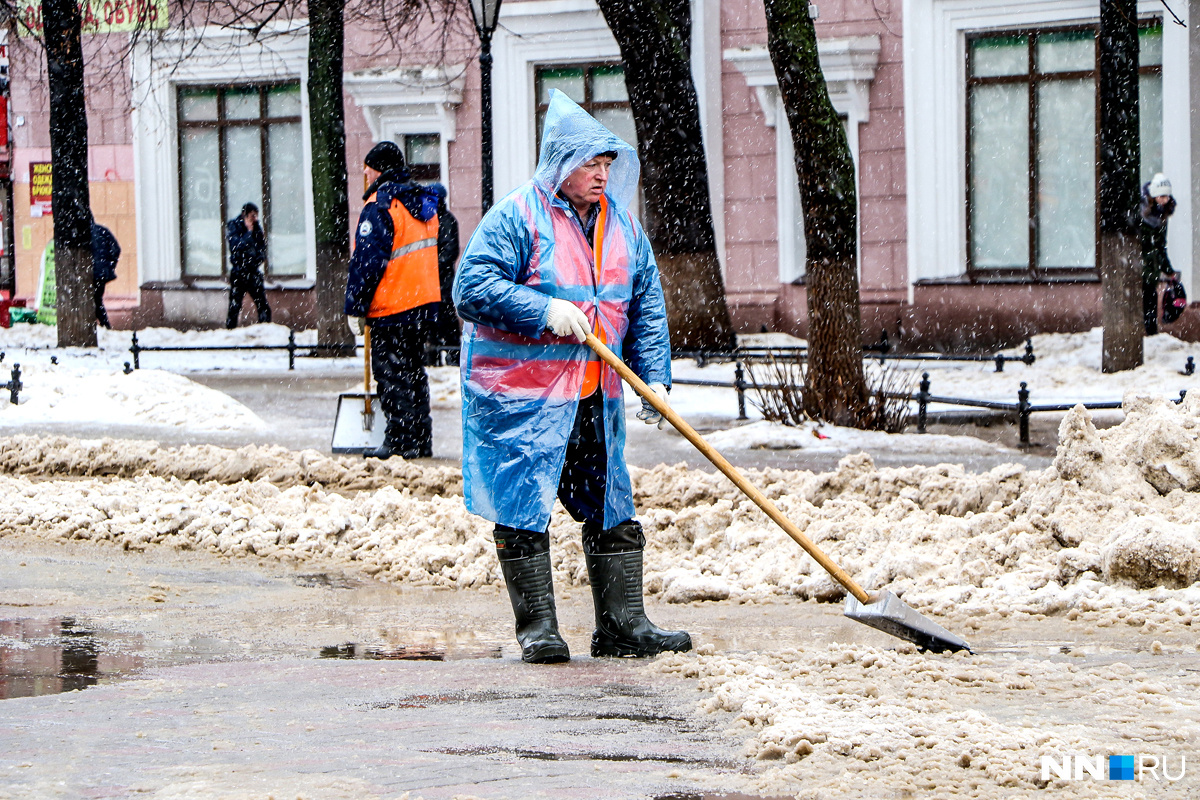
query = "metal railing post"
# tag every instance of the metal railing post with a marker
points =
(135, 348)
(291, 348)
(1029, 357)
(999, 363)
(1023, 413)
(1190, 367)
(739, 383)
(922, 402)
(14, 385)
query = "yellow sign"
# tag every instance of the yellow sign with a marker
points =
(99, 16)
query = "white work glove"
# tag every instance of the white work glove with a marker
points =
(566, 319)
(356, 324)
(649, 414)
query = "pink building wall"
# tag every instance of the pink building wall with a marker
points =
(751, 237)
(110, 160)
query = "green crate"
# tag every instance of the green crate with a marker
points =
(16, 314)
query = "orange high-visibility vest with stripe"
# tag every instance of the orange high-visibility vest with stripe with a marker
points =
(411, 277)
(591, 372)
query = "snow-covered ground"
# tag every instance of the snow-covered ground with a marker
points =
(1104, 538)
(90, 387)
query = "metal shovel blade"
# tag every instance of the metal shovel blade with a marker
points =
(893, 616)
(350, 435)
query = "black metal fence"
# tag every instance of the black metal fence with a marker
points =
(14, 385)
(881, 352)
(137, 348)
(1023, 409)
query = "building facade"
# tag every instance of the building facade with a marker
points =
(972, 124)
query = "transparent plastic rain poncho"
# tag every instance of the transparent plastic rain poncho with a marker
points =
(520, 383)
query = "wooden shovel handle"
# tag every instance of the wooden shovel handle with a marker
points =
(367, 369)
(760, 499)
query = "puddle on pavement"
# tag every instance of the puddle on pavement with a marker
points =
(60, 655)
(418, 645)
(327, 580)
(66, 654)
(545, 755)
(715, 796)
(421, 651)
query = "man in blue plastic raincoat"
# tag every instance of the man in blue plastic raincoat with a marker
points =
(542, 415)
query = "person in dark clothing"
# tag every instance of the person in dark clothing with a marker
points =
(446, 332)
(394, 285)
(247, 252)
(1157, 207)
(105, 252)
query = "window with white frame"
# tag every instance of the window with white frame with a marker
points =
(238, 145)
(423, 154)
(1032, 146)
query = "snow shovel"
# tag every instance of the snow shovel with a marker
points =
(886, 612)
(354, 428)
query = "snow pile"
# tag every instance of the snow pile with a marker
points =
(77, 392)
(61, 456)
(1110, 528)
(1067, 370)
(820, 438)
(387, 533)
(1118, 509)
(854, 721)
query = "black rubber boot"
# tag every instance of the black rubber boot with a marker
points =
(622, 628)
(384, 451)
(390, 448)
(531, 590)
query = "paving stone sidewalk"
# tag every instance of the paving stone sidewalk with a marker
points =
(478, 728)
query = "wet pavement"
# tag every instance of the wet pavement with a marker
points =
(182, 675)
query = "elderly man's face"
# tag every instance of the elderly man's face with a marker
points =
(586, 185)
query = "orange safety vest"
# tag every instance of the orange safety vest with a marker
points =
(591, 372)
(411, 277)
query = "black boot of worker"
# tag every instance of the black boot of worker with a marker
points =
(391, 448)
(531, 590)
(384, 451)
(622, 628)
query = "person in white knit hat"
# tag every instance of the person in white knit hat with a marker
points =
(1157, 207)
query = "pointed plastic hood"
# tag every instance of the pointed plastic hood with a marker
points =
(570, 137)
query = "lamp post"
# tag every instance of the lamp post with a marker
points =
(486, 13)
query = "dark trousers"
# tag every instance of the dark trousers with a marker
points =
(446, 333)
(581, 487)
(241, 283)
(1150, 304)
(98, 293)
(397, 359)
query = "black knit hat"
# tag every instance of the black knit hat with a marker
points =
(385, 157)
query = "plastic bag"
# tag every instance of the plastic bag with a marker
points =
(1174, 301)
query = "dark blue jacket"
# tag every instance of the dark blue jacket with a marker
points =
(105, 252)
(373, 240)
(247, 249)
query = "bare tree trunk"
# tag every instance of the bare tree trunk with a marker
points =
(1121, 274)
(328, 137)
(835, 387)
(75, 304)
(655, 41)
(1120, 153)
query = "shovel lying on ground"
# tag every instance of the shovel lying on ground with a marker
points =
(354, 428)
(886, 612)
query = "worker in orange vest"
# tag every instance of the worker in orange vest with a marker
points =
(393, 284)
